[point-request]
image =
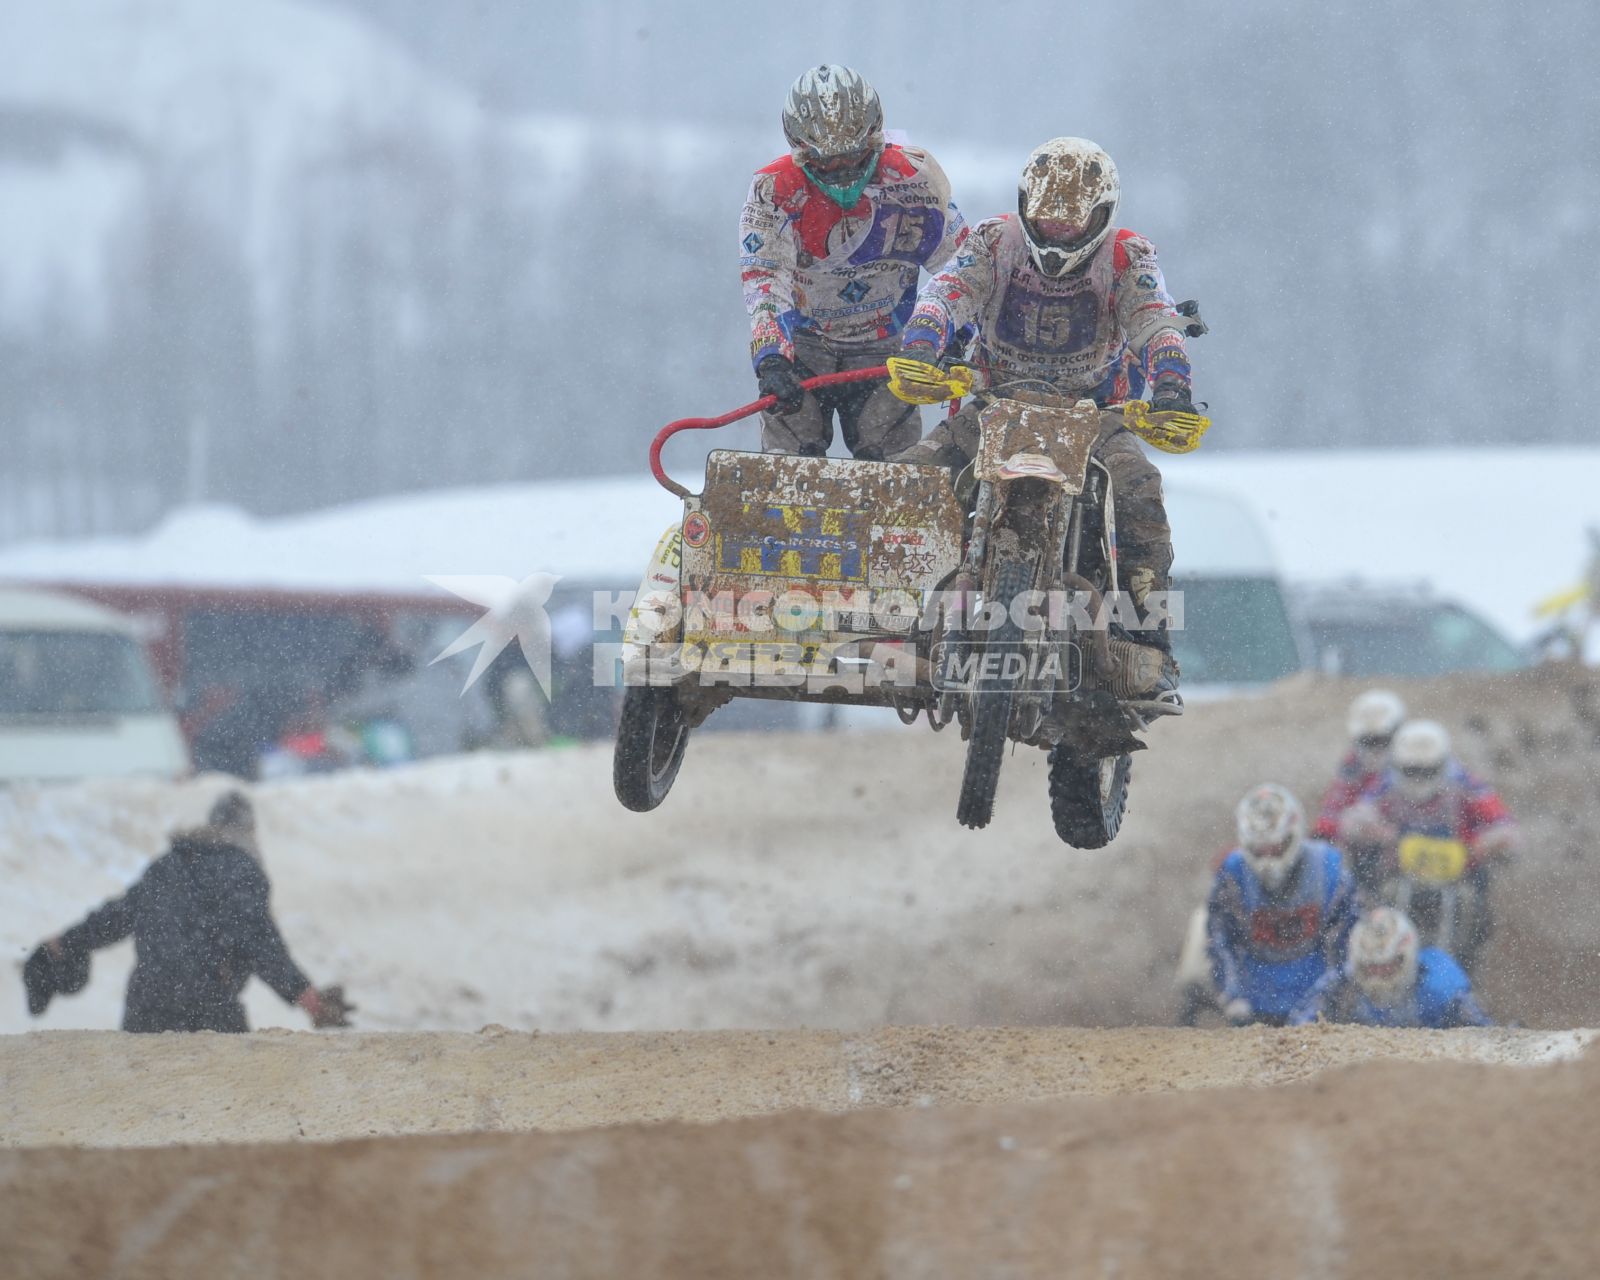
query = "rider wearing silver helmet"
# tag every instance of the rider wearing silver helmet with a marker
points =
(832, 239)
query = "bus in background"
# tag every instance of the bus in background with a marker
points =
(78, 698)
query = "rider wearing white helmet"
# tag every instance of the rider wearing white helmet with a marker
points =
(1427, 792)
(1390, 979)
(1383, 955)
(1060, 298)
(1419, 758)
(831, 242)
(1372, 721)
(1279, 911)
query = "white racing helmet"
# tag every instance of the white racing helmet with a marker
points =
(1374, 717)
(1383, 956)
(1272, 830)
(1420, 752)
(833, 120)
(1066, 198)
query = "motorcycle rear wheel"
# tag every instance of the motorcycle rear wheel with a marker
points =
(652, 735)
(1088, 798)
(991, 703)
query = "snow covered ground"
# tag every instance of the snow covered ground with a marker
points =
(797, 880)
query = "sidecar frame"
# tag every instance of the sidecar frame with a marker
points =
(723, 612)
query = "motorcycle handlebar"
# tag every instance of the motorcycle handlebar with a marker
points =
(756, 406)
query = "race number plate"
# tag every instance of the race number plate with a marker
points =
(1057, 431)
(1432, 860)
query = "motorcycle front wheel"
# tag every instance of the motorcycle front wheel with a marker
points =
(652, 734)
(991, 700)
(1088, 798)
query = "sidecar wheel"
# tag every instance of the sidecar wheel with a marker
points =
(651, 737)
(1088, 798)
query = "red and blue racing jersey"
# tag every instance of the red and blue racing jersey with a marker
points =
(850, 275)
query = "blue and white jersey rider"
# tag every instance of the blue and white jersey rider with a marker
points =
(1279, 913)
(1388, 980)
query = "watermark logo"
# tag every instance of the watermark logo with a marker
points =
(825, 640)
(512, 611)
(966, 666)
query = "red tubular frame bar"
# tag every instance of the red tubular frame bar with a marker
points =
(766, 402)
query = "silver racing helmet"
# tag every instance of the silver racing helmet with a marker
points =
(1067, 198)
(833, 120)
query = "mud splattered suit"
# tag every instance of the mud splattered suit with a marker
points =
(1101, 333)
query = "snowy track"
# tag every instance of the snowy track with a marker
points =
(799, 881)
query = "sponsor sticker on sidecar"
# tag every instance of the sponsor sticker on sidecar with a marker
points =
(780, 540)
(696, 529)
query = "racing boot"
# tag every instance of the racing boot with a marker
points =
(1163, 691)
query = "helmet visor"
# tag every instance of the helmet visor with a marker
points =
(1421, 782)
(1063, 233)
(1382, 980)
(845, 168)
(1380, 971)
(1274, 850)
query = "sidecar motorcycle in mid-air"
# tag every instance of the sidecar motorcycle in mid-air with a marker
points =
(990, 599)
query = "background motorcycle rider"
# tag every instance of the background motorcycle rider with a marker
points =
(201, 921)
(1427, 791)
(832, 239)
(1279, 913)
(1062, 299)
(1390, 980)
(1373, 719)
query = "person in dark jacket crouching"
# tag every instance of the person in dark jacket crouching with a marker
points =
(201, 920)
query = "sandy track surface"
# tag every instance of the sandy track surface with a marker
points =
(1382, 1169)
(108, 1089)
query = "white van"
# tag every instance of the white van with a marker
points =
(1238, 629)
(77, 695)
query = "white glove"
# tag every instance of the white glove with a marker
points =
(1237, 1011)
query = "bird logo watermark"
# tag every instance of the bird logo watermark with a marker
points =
(512, 611)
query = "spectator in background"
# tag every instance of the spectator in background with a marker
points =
(201, 921)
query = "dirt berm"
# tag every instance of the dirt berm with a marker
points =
(1388, 1168)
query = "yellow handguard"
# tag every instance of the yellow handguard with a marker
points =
(1170, 432)
(917, 382)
